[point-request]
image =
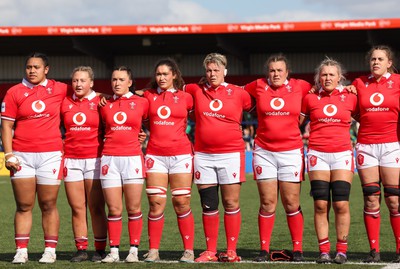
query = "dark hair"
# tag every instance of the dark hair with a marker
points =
(130, 76)
(389, 53)
(277, 58)
(173, 66)
(38, 55)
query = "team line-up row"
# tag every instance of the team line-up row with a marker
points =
(100, 159)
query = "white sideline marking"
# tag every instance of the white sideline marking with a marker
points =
(392, 266)
(387, 265)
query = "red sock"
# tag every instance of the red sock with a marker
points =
(81, 243)
(324, 245)
(296, 223)
(265, 226)
(186, 229)
(232, 221)
(341, 246)
(211, 226)
(114, 224)
(155, 227)
(135, 224)
(100, 243)
(21, 240)
(372, 221)
(50, 241)
(395, 222)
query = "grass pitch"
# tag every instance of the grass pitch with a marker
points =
(171, 246)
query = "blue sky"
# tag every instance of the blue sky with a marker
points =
(128, 12)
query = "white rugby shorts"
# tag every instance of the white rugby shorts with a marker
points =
(283, 165)
(120, 170)
(223, 168)
(80, 169)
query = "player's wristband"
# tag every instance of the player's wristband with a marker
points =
(8, 153)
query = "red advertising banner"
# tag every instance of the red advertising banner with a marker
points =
(261, 27)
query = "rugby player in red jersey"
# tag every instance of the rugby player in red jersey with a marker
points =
(122, 166)
(377, 149)
(82, 150)
(278, 158)
(33, 151)
(219, 154)
(330, 155)
(169, 157)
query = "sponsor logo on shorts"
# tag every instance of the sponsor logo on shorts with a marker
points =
(360, 159)
(258, 169)
(313, 160)
(65, 171)
(149, 163)
(104, 169)
(197, 175)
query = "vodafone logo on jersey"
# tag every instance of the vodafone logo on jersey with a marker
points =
(38, 106)
(277, 103)
(376, 99)
(164, 112)
(330, 110)
(216, 105)
(120, 117)
(79, 118)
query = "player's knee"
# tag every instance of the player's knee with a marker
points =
(320, 190)
(340, 190)
(181, 192)
(391, 190)
(209, 198)
(371, 189)
(156, 191)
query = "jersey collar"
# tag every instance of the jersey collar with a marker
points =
(286, 82)
(387, 75)
(169, 90)
(89, 97)
(339, 89)
(209, 87)
(126, 95)
(29, 85)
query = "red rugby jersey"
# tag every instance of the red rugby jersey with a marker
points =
(278, 112)
(168, 112)
(379, 108)
(83, 127)
(218, 113)
(123, 120)
(330, 119)
(36, 111)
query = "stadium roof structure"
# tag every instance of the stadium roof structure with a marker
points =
(238, 39)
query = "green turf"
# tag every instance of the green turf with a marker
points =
(171, 246)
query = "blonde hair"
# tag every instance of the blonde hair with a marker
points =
(216, 58)
(329, 62)
(82, 68)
